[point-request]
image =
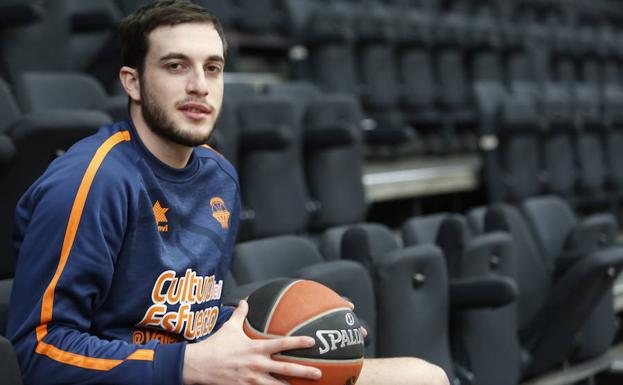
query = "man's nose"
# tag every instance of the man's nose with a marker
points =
(197, 84)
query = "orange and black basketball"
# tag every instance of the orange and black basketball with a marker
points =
(291, 307)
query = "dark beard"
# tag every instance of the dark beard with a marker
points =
(159, 124)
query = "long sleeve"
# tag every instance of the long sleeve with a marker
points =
(71, 225)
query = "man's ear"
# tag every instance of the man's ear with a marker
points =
(130, 82)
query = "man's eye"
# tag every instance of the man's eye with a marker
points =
(215, 69)
(174, 66)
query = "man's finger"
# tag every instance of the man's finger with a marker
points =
(240, 313)
(364, 331)
(278, 345)
(295, 370)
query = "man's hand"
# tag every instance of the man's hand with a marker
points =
(230, 357)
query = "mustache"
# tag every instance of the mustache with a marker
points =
(194, 100)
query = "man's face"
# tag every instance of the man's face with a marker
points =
(182, 82)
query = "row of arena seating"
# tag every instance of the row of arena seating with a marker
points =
(501, 295)
(412, 65)
(265, 135)
(557, 138)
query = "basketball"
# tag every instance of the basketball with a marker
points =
(291, 307)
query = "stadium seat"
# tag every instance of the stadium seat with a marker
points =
(129, 6)
(262, 16)
(224, 137)
(486, 45)
(416, 72)
(270, 167)
(14, 13)
(406, 278)
(44, 91)
(226, 11)
(334, 161)
(557, 297)
(9, 368)
(613, 116)
(415, 277)
(512, 162)
(556, 141)
(476, 258)
(455, 90)
(78, 37)
(590, 149)
(561, 235)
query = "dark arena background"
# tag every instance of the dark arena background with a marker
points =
(454, 167)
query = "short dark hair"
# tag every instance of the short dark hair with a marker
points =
(135, 28)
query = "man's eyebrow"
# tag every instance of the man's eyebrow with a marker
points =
(173, 55)
(176, 55)
(217, 58)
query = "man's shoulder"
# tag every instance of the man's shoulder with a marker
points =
(106, 152)
(207, 152)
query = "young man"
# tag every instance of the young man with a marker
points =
(124, 242)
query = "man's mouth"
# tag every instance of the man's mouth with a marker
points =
(195, 111)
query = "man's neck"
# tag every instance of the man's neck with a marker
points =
(172, 154)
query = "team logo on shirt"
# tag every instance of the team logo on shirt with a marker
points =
(220, 212)
(172, 310)
(161, 218)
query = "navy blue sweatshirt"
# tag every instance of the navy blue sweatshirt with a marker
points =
(120, 262)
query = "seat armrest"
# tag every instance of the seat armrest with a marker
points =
(482, 292)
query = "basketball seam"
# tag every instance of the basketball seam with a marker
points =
(261, 333)
(275, 304)
(320, 360)
(316, 317)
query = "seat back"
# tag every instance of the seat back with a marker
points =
(225, 135)
(473, 329)
(40, 91)
(273, 257)
(263, 16)
(412, 279)
(270, 169)
(557, 147)
(9, 368)
(379, 237)
(334, 161)
(518, 152)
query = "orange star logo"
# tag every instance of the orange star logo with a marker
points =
(161, 218)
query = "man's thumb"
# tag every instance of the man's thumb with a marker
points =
(240, 313)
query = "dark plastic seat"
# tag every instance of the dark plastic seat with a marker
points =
(613, 116)
(270, 167)
(79, 36)
(417, 75)
(590, 149)
(557, 147)
(412, 278)
(479, 336)
(44, 91)
(225, 137)
(9, 368)
(511, 124)
(562, 281)
(456, 95)
(262, 16)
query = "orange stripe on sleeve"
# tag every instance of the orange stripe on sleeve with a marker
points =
(213, 150)
(68, 241)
